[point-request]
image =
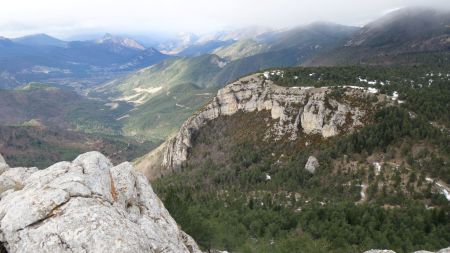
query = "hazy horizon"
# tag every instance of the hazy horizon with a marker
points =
(83, 19)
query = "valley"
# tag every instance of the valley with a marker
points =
(315, 138)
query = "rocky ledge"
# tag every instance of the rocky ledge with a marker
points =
(295, 111)
(87, 205)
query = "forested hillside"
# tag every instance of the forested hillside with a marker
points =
(383, 186)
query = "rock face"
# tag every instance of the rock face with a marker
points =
(311, 164)
(85, 206)
(294, 110)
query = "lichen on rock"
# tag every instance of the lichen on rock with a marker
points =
(87, 205)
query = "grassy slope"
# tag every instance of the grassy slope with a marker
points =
(241, 49)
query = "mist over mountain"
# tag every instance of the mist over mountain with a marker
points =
(325, 127)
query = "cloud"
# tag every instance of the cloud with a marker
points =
(68, 17)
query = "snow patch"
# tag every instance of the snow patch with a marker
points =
(377, 166)
(372, 90)
(395, 95)
(442, 188)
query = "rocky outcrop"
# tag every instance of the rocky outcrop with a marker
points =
(294, 111)
(311, 164)
(87, 205)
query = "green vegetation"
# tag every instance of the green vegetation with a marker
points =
(223, 198)
(241, 49)
(60, 107)
(181, 80)
(230, 205)
(425, 88)
(41, 147)
(43, 124)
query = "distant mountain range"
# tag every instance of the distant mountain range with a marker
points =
(406, 31)
(42, 58)
(407, 36)
(171, 87)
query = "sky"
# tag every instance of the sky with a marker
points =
(66, 18)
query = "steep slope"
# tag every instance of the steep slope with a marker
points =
(166, 94)
(109, 39)
(409, 30)
(205, 47)
(322, 159)
(308, 109)
(85, 205)
(241, 49)
(315, 35)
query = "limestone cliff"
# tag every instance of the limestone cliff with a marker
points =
(85, 206)
(295, 111)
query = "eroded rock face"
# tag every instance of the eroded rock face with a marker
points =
(86, 206)
(294, 110)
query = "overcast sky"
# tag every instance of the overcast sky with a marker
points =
(63, 18)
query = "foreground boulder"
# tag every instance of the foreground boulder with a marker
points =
(85, 206)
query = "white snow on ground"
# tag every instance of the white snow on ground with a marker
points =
(395, 95)
(266, 74)
(353, 87)
(377, 166)
(302, 88)
(369, 89)
(372, 82)
(362, 80)
(268, 177)
(446, 194)
(363, 192)
(441, 187)
(372, 90)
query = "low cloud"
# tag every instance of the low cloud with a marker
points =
(69, 17)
